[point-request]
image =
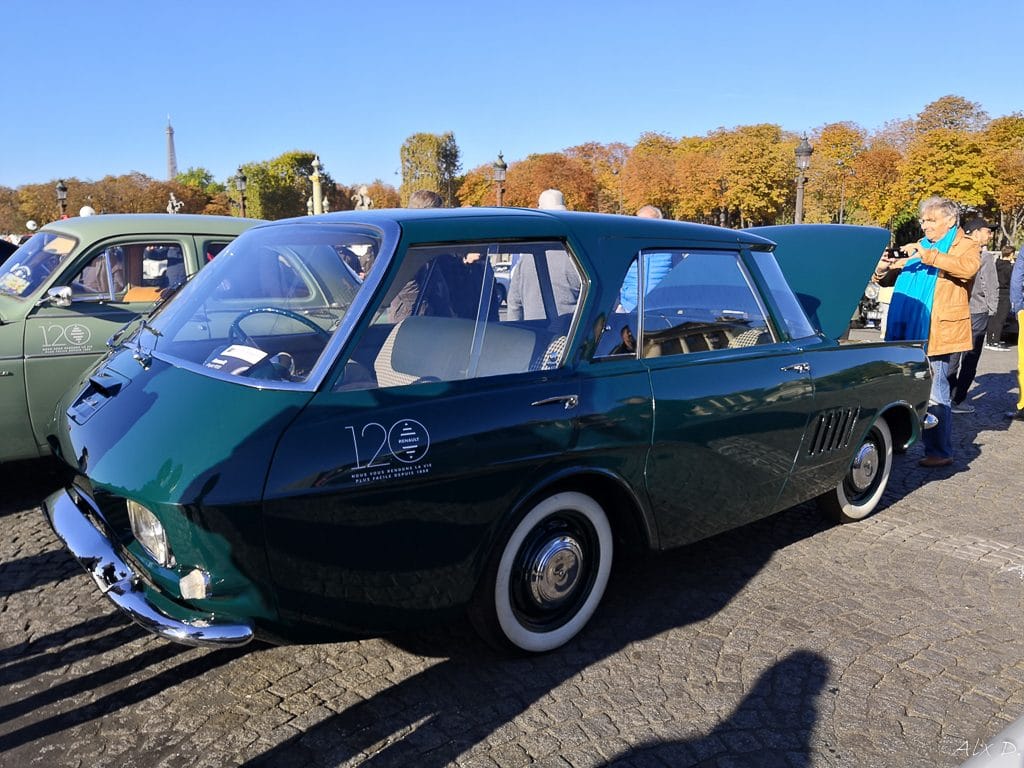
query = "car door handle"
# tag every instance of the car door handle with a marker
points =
(797, 368)
(569, 401)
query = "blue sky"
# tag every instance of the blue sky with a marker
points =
(89, 86)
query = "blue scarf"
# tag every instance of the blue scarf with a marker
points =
(910, 311)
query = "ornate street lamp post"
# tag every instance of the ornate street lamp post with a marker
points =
(499, 178)
(844, 174)
(318, 195)
(240, 186)
(62, 197)
(803, 162)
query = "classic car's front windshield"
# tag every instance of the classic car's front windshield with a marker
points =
(267, 306)
(33, 262)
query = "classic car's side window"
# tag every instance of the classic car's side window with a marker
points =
(442, 319)
(793, 315)
(705, 302)
(130, 272)
(619, 336)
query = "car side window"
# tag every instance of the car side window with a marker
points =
(619, 336)
(705, 302)
(793, 315)
(442, 318)
(130, 272)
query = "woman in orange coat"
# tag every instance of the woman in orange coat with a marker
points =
(931, 302)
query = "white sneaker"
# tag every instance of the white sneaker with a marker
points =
(962, 408)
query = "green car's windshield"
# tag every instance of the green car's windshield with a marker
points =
(267, 306)
(32, 263)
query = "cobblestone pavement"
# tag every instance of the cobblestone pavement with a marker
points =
(792, 642)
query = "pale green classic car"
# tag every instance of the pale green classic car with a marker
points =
(70, 287)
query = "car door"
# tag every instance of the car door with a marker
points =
(732, 397)
(434, 429)
(110, 285)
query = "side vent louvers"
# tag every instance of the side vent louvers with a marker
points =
(832, 430)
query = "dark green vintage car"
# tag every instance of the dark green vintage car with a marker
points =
(67, 289)
(337, 428)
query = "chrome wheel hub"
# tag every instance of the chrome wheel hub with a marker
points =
(865, 467)
(554, 571)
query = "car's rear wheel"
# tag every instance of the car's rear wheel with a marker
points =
(545, 581)
(865, 481)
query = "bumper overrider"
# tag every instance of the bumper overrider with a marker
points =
(81, 527)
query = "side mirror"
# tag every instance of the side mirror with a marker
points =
(60, 297)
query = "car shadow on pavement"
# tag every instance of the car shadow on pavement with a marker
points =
(27, 483)
(772, 726)
(35, 570)
(143, 687)
(436, 715)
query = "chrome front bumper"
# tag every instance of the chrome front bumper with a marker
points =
(78, 524)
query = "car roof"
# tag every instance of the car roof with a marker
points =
(602, 224)
(105, 225)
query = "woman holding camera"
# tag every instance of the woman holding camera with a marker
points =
(930, 302)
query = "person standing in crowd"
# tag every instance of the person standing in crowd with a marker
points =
(657, 266)
(425, 198)
(983, 304)
(930, 302)
(525, 299)
(1017, 306)
(1004, 268)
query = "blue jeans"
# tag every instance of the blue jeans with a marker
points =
(938, 441)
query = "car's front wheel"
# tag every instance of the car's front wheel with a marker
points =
(545, 581)
(865, 481)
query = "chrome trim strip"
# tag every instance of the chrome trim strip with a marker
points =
(115, 578)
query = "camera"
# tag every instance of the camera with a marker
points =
(891, 253)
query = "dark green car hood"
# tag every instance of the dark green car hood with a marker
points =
(168, 435)
(828, 267)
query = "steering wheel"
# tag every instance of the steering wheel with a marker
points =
(237, 335)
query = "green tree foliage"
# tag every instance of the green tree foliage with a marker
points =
(430, 161)
(874, 186)
(201, 179)
(9, 216)
(281, 187)
(477, 187)
(758, 169)
(648, 176)
(952, 113)
(700, 182)
(605, 162)
(950, 163)
(1004, 144)
(826, 194)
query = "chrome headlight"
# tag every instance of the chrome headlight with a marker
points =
(150, 533)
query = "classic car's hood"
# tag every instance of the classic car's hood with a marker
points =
(165, 434)
(827, 266)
